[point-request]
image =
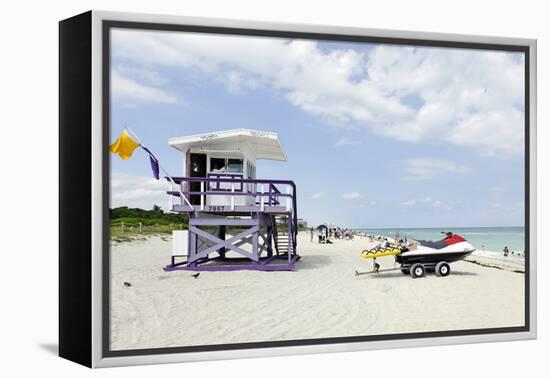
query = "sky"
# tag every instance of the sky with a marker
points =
(376, 135)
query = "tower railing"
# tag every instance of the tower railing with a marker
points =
(267, 194)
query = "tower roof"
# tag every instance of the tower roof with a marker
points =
(264, 144)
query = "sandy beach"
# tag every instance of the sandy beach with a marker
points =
(322, 298)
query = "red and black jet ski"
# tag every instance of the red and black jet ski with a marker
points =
(421, 254)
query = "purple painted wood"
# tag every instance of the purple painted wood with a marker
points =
(223, 192)
(223, 243)
(179, 180)
(223, 222)
(255, 247)
(290, 248)
(227, 209)
(261, 217)
(267, 266)
(231, 176)
(193, 247)
(272, 189)
(174, 263)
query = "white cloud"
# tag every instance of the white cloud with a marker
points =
(142, 74)
(461, 97)
(437, 203)
(317, 195)
(361, 205)
(468, 98)
(346, 142)
(443, 205)
(428, 201)
(138, 191)
(415, 202)
(423, 169)
(126, 89)
(352, 195)
(236, 82)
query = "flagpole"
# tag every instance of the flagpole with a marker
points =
(162, 169)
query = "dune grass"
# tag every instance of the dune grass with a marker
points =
(128, 229)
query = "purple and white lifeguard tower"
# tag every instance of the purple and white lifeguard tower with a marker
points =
(236, 221)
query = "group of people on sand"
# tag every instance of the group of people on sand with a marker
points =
(339, 233)
(507, 252)
(398, 239)
(373, 238)
(325, 234)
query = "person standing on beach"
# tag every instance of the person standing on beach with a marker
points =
(506, 251)
(397, 237)
(375, 265)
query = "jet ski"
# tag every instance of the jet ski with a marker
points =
(419, 255)
(450, 249)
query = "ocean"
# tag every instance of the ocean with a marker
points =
(492, 238)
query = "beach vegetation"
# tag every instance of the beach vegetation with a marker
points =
(128, 224)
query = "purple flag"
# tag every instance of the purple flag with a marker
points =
(154, 162)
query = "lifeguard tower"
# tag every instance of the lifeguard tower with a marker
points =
(236, 221)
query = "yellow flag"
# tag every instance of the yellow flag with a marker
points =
(124, 146)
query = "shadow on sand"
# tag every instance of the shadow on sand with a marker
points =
(462, 273)
(406, 276)
(383, 275)
(313, 262)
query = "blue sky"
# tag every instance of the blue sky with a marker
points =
(376, 135)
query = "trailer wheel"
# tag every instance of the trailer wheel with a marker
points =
(442, 269)
(405, 271)
(417, 270)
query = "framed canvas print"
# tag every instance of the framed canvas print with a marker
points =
(232, 189)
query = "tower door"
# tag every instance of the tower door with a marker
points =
(197, 168)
